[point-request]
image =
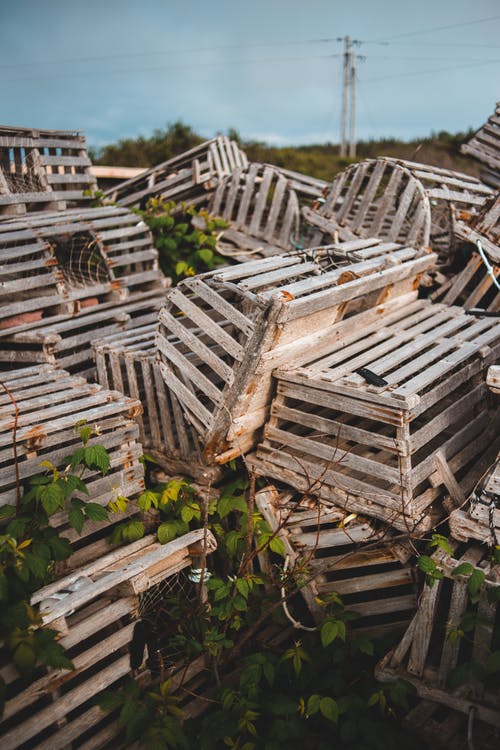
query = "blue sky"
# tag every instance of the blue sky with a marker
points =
(120, 68)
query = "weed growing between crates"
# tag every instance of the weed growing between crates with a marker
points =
(309, 689)
(30, 549)
(184, 237)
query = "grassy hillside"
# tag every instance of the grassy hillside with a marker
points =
(318, 160)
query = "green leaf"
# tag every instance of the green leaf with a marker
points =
(96, 512)
(133, 530)
(52, 498)
(438, 540)
(229, 503)
(313, 704)
(147, 499)
(6, 511)
(464, 569)
(364, 644)
(493, 662)
(426, 564)
(76, 519)
(61, 548)
(110, 700)
(328, 707)
(167, 531)
(24, 658)
(329, 631)
(77, 458)
(85, 434)
(4, 588)
(205, 255)
(476, 580)
(73, 484)
(277, 546)
(96, 457)
(242, 587)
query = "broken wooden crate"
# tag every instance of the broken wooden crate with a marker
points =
(485, 146)
(473, 287)
(95, 610)
(450, 632)
(50, 403)
(479, 518)
(235, 325)
(190, 176)
(262, 210)
(42, 169)
(484, 226)
(128, 362)
(397, 200)
(334, 551)
(377, 425)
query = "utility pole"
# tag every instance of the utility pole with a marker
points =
(352, 81)
(345, 94)
(348, 100)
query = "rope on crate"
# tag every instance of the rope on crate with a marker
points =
(489, 267)
(296, 624)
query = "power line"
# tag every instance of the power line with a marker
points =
(427, 72)
(439, 28)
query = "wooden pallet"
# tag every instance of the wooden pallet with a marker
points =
(343, 553)
(186, 177)
(127, 362)
(50, 403)
(427, 655)
(472, 287)
(485, 146)
(480, 517)
(382, 450)
(262, 210)
(442, 727)
(95, 612)
(42, 169)
(400, 201)
(235, 326)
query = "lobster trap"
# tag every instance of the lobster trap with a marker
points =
(97, 611)
(222, 333)
(480, 518)
(262, 210)
(368, 426)
(400, 201)
(49, 403)
(333, 551)
(65, 274)
(128, 363)
(42, 169)
(448, 634)
(190, 176)
(485, 146)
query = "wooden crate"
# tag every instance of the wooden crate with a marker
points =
(380, 449)
(42, 169)
(442, 727)
(472, 288)
(55, 264)
(128, 362)
(307, 188)
(485, 146)
(95, 611)
(235, 326)
(50, 403)
(343, 553)
(397, 200)
(427, 655)
(262, 211)
(186, 177)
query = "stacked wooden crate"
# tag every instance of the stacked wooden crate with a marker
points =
(449, 632)
(397, 200)
(234, 326)
(190, 176)
(485, 146)
(330, 550)
(65, 274)
(369, 426)
(128, 362)
(49, 403)
(42, 169)
(262, 211)
(95, 611)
